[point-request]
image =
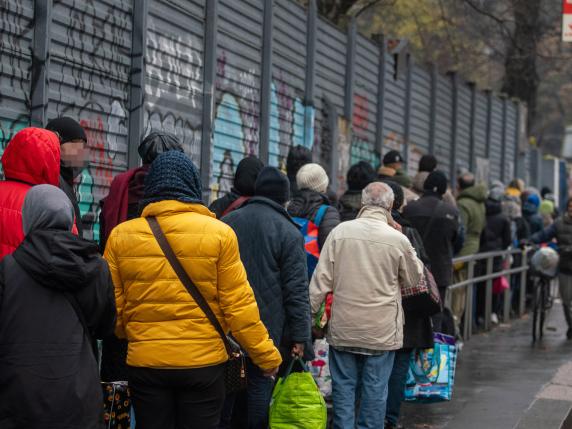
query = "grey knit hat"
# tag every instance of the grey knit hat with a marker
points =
(313, 177)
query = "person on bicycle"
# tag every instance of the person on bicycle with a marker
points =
(561, 230)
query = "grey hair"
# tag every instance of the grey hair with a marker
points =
(378, 194)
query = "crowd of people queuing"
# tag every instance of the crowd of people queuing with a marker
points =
(246, 255)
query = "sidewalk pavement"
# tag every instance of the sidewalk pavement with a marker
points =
(504, 382)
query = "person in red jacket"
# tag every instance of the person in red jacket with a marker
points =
(31, 158)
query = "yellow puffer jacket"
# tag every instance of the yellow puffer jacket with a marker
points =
(162, 323)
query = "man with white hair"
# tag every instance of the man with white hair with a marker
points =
(364, 263)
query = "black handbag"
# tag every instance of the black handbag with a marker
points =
(235, 370)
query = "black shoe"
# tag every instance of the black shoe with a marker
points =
(569, 334)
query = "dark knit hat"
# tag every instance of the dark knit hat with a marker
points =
(427, 163)
(246, 174)
(436, 182)
(398, 194)
(68, 129)
(360, 175)
(156, 143)
(392, 157)
(272, 184)
(172, 176)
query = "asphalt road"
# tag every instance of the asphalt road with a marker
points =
(499, 377)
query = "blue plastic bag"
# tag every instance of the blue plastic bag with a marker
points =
(432, 371)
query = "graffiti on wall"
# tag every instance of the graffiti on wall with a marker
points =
(173, 87)
(362, 148)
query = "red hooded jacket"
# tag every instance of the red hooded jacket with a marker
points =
(31, 158)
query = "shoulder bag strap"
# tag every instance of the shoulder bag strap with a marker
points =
(431, 221)
(235, 204)
(79, 313)
(320, 213)
(186, 280)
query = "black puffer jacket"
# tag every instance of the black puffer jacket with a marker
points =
(418, 331)
(497, 233)
(349, 205)
(49, 374)
(272, 251)
(441, 242)
(305, 204)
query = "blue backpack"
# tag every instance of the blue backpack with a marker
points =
(309, 230)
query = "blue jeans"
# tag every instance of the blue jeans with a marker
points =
(396, 388)
(259, 394)
(366, 377)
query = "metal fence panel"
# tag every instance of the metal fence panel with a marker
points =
(464, 97)
(287, 110)
(394, 108)
(420, 108)
(365, 102)
(89, 81)
(237, 113)
(496, 140)
(174, 71)
(16, 24)
(444, 122)
(510, 142)
(330, 83)
(481, 125)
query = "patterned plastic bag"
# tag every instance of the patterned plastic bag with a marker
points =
(117, 405)
(432, 371)
(320, 367)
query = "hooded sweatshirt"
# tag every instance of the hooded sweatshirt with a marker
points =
(23, 171)
(49, 374)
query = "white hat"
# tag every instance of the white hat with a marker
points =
(313, 177)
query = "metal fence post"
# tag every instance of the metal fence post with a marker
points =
(310, 71)
(434, 88)
(209, 88)
(40, 62)
(350, 71)
(489, 122)
(407, 125)
(380, 40)
(137, 81)
(468, 322)
(266, 84)
(489, 294)
(517, 158)
(472, 161)
(523, 276)
(507, 301)
(453, 154)
(503, 139)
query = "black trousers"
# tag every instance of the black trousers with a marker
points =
(177, 398)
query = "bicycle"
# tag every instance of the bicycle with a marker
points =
(542, 302)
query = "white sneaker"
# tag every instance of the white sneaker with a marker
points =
(494, 318)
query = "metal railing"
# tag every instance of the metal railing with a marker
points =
(486, 280)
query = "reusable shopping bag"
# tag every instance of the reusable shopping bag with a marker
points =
(296, 401)
(117, 405)
(320, 367)
(310, 230)
(432, 371)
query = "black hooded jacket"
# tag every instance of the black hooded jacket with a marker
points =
(49, 374)
(497, 234)
(305, 204)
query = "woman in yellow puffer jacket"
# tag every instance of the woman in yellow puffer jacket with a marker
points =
(175, 356)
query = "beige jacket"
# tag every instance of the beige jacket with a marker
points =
(365, 263)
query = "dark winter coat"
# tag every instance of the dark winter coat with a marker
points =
(561, 230)
(532, 218)
(49, 374)
(70, 192)
(305, 204)
(219, 206)
(418, 331)
(349, 205)
(497, 233)
(272, 251)
(442, 241)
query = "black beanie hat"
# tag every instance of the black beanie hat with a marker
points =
(172, 176)
(392, 157)
(398, 194)
(360, 175)
(427, 163)
(68, 129)
(246, 174)
(272, 184)
(436, 182)
(156, 143)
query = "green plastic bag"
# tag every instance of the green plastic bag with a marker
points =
(297, 402)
